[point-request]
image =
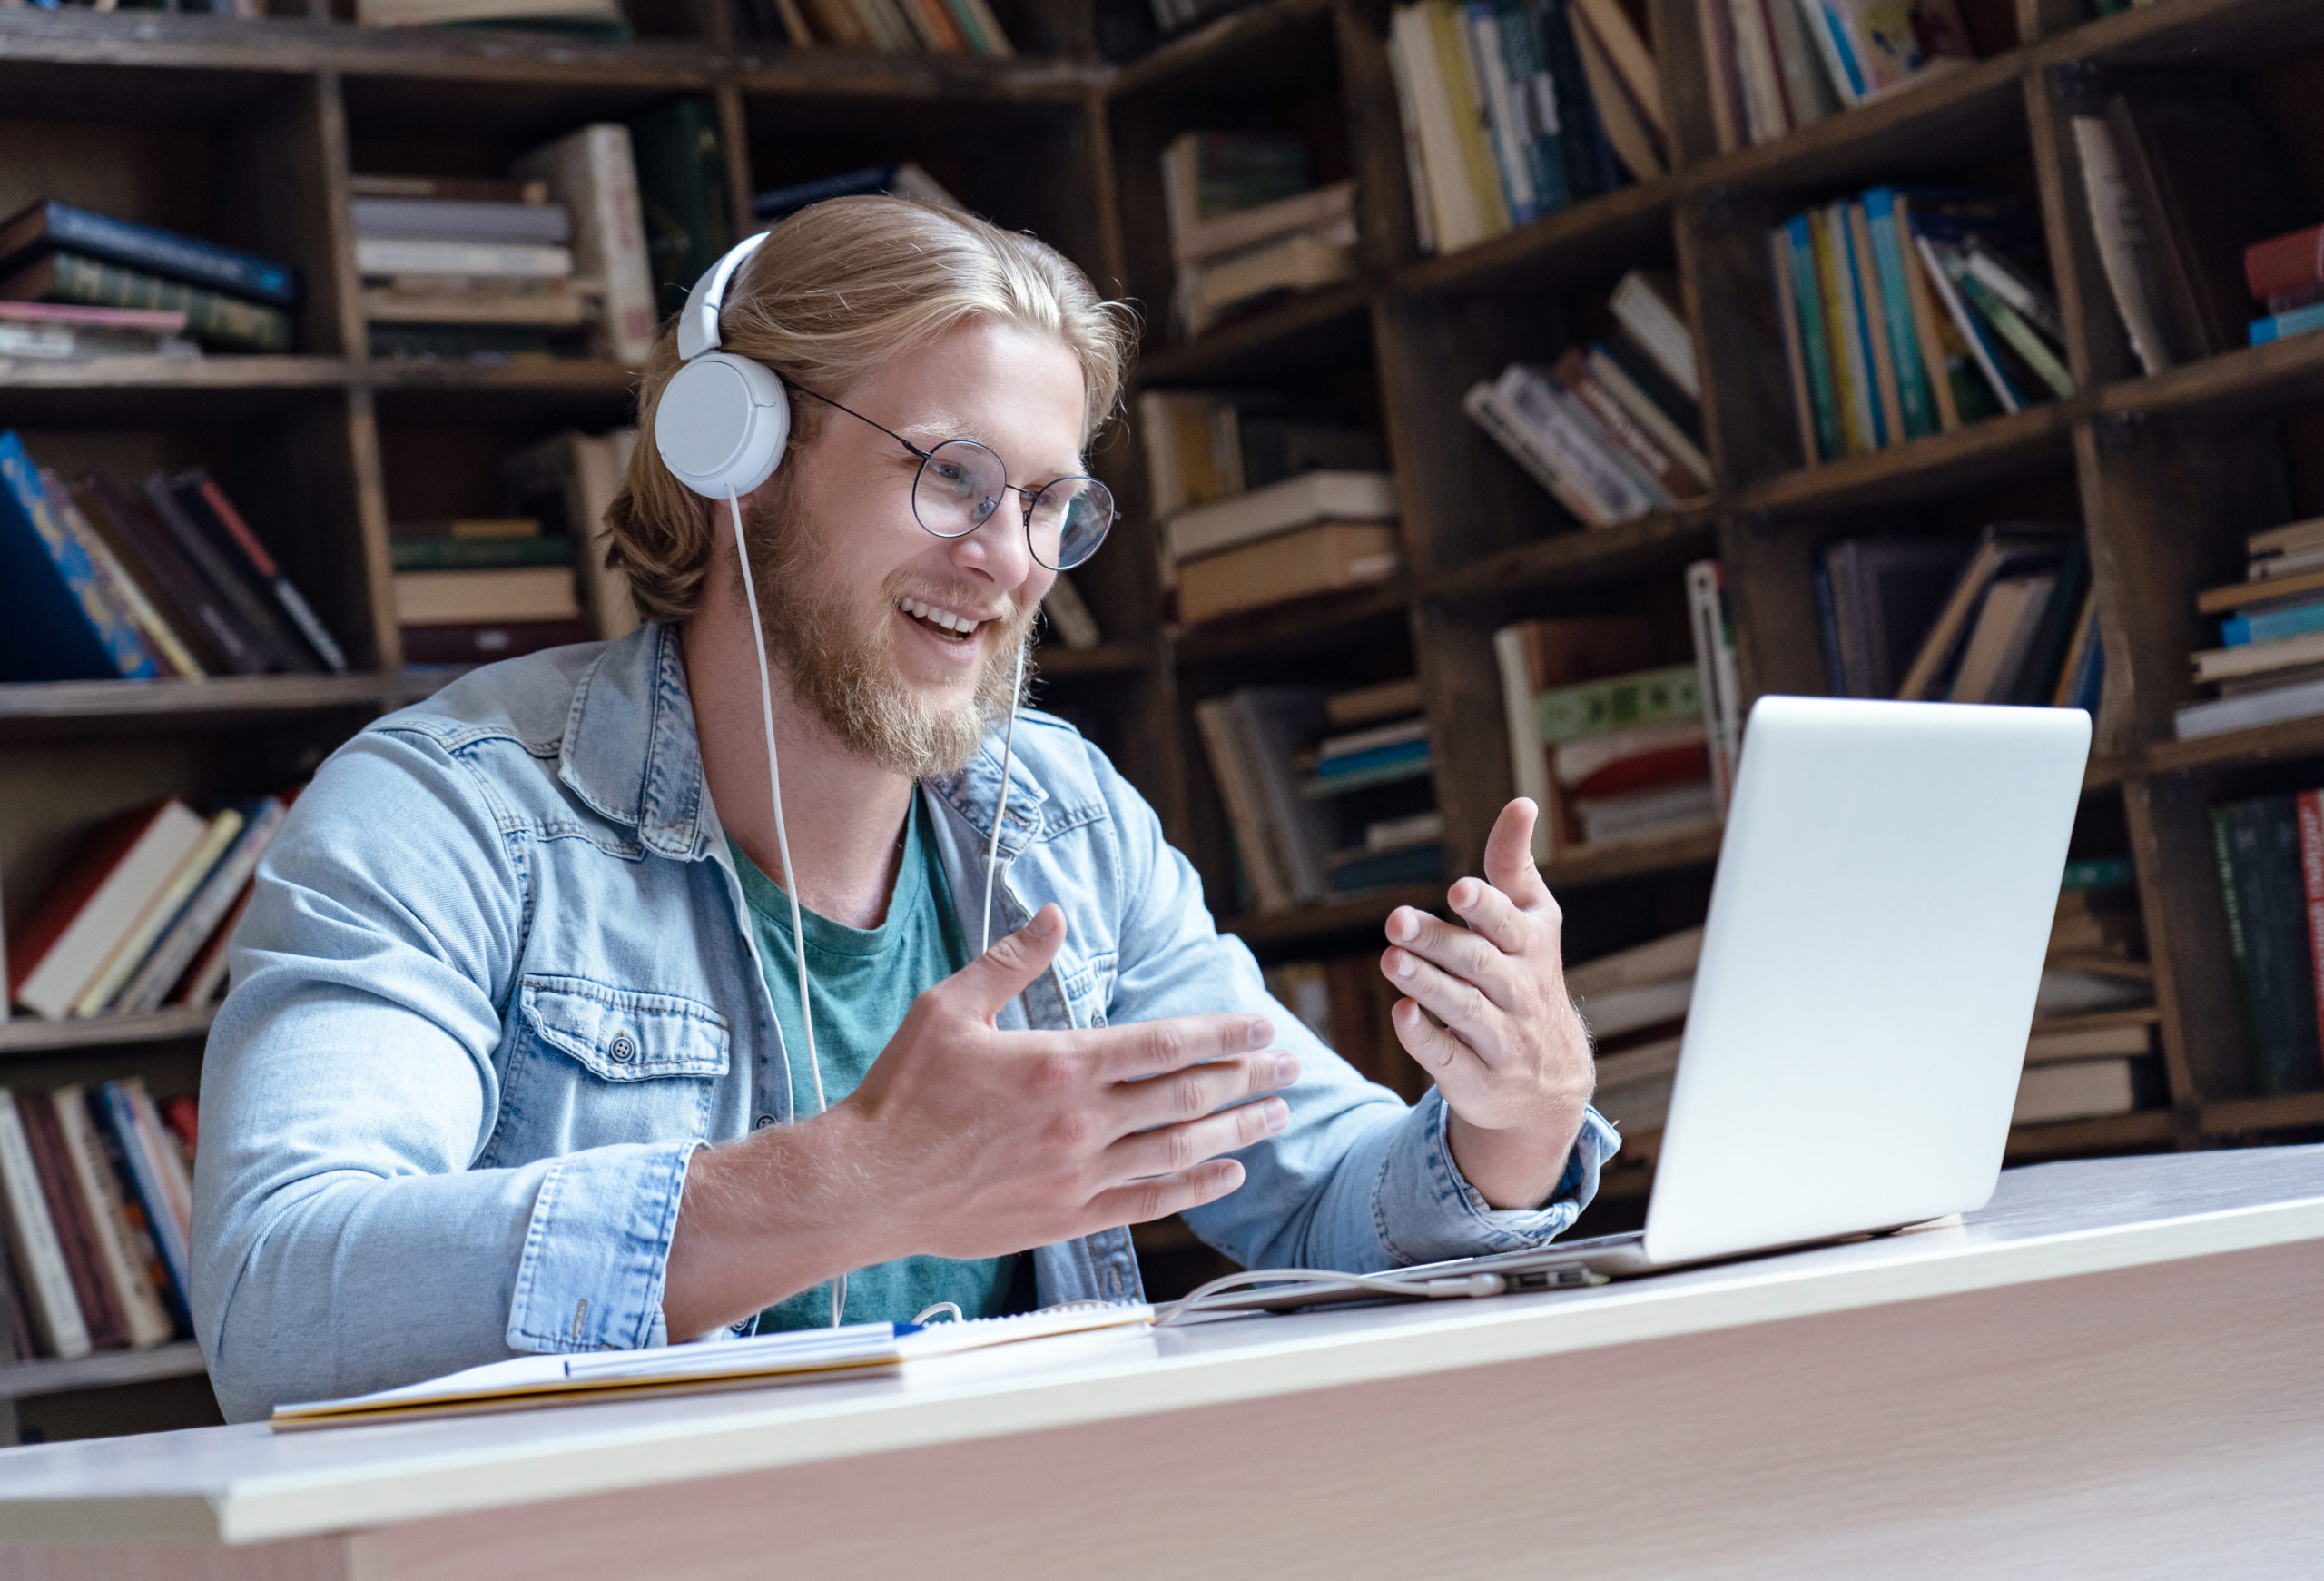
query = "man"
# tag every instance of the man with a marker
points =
(515, 1058)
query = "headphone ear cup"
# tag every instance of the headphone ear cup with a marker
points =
(722, 424)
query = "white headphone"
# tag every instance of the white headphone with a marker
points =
(721, 428)
(723, 419)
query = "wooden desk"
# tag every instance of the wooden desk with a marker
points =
(2117, 1368)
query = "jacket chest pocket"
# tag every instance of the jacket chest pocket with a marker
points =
(1087, 989)
(597, 1066)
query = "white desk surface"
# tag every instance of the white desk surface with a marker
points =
(246, 1484)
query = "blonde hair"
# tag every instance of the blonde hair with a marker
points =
(836, 291)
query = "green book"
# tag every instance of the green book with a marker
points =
(477, 554)
(2022, 338)
(682, 185)
(2098, 873)
(1662, 696)
(1815, 340)
(221, 322)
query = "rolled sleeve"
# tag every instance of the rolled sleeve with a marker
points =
(1425, 1211)
(597, 1248)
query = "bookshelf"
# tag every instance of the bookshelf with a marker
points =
(246, 131)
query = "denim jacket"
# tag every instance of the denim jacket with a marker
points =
(497, 984)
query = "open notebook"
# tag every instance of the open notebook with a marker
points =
(800, 1356)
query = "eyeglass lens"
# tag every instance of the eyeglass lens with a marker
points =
(961, 483)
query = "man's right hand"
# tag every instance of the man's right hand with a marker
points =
(964, 1141)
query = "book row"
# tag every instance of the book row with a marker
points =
(1778, 66)
(1247, 222)
(1912, 311)
(99, 581)
(86, 268)
(2270, 851)
(2269, 664)
(96, 1203)
(141, 915)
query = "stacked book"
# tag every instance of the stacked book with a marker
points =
(1069, 619)
(1515, 110)
(2268, 665)
(47, 331)
(1776, 66)
(139, 917)
(930, 27)
(1313, 533)
(2090, 1052)
(1609, 745)
(1325, 793)
(1247, 223)
(1613, 432)
(99, 582)
(588, 18)
(1635, 1003)
(2270, 851)
(71, 257)
(2285, 275)
(96, 1203)
(2191, 221)
(1909, 312)
(1345, 1001)
(905, 180)
(2007, 616)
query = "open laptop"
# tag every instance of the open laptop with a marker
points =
(1877, 926)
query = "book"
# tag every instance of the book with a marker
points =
(2001, 549)
(158, 1172)
(99, 896)
(1206, 175)
(1069, 616)
(1673, 955)
(1852, 399)
(2256, 844)
(536, 304)
(203, 545)
(2126, 248)
(807, 1355)
(59, 625)
(1887, 592)
(124, 1248)
(1872, 322)
(49, 226)
(1386, 700)
(2195, 721)
(2293, 262)
(479, 189)
(1944, 356)
(150, 553)
(130, 952)
(477, 554)
(2282, 326)
(904, 180)
(2020, 336)
(219, 321)
(2307, 810)
(492, 343)
(1641, 758)
(1634, 1085)
(1664, 422)
(1712, 628)
(2077, 1089)
(477, 260)
(572, 477)
(2006, 621)
(1295, 502)
(1548, 445)
(68, 1211)
(207, 975)
(1265, 728)
(1616, 1011)
(1507, 136)
(2257, 657)
(203, 910)
(1646, 814)
(1316, 209)
(1298, 263)
(489, 641)
(1644, 302)
(1669, 695)
(1565, 438)
(1892, 263)
(207, 504)
(456, 598)
(680, 153)
(1815, 391)
(1628, 441)
(1325, 556)
(593, 176)
(34, 1251)
(170, 652)
(431, 219)
(1537, 657)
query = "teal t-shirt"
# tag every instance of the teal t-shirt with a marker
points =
(863, 981)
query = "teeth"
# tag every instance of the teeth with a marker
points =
(935, 617)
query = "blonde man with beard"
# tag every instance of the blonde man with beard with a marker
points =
(514, 1059)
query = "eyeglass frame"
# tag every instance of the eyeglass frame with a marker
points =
(1031, 497)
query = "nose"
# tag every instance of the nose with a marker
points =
(998, 549)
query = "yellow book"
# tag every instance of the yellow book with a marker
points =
(1457, 61)
(1831, 291)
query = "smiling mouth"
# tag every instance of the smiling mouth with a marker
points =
(944, 623)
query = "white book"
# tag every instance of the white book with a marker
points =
(2249, 711)
(158, 913)
(1461, 222)
(2124, 250)
(1715, 675)
(2251, 659)
(1529, 759)
(1415, 162)
(1997, 643)
(168, 960)
(1625, 1010)
(1940, 279)
(1295, 502)
(80, 951)
(1575, 761)
(1650, 417)
(2076, 1090)
(1364, 740)
(1244, 228)
(1657, 326)
(118, 1248)
(2291, 536)
(1483, 406)
(593, 175)
(2046, 1048)
(1755, 62)
(1076, 626)
(517, 593)
(461, 219)
(33, 1245)
(1637, 815)
(1672, 955)
(483, 260)
(1581, 451)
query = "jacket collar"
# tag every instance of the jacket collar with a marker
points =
(631, 754)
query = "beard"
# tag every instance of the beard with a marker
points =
(837, 653)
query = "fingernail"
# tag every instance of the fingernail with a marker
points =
(1286, 1070)
(1402, 925)
(1404, 964)
(1278, 1114)
(1044, 923)
(1464, 894)
(1261, 1034)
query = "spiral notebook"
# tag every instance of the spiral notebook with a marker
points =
(800, 1356)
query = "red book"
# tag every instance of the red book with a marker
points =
(2284, 263)
(75, 1230)
(1647, 771)
(2311, 878)
(182, 1115)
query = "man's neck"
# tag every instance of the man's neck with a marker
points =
(846, 816)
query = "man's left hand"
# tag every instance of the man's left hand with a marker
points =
(1505, 1046)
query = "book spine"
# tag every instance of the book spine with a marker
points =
(202, 914)
(221, 322)
(116, 1135)
(1755, 62)
(1913, 396)
(1828, 626)
(1936, 363)
(1537, 403)
(1536, 96)
(113, 647)
(208, 973)
(1270, 888)
(122, 1263)
(1866, 360)
(1872, 305)
(145, 540)
(2283, 326)
(1829, 441)
(1661, 474)
(2238, 947)
(2310, 806)
(1508, 136)
(76, 1234)
(1400, 72)
(1457, 62)
(1590, 165)
(131, 953)
(33, 1244)
(250, 615)
(1972, 332)
(1484, 409)
(1641, 407)
(172, 1208)
(1795, 357)
(108, 583)
(171, 256)
(262, 564)
(1716, 21)
(2282, 979)
(160, 638)
(2019, 335)
(2285, 264)
(2125, 252)
(1831, 44)
(1706, 621)
(1660, 697)
(593, 173)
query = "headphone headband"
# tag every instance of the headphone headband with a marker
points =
(723, 419)
(698, 322)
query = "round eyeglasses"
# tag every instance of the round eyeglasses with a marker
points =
(960, 485)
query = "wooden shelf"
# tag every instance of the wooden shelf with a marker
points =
(2189, 35)
(1054, 661)
(102, 1370)
(2149, 1128)
(1347, 913)
(1299, 330)
(1596, 236)
(48, 708)
(887, 78)
(2249, 378)
(1651, 543)
(1978, 453)
(2284, 1111)
(24, 1035)
(1193, 54)
(2237, 748)
(1302, 626)
(1611, 859)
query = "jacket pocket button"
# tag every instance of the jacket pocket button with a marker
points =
(623, 1051)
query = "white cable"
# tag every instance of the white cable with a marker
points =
(783, 842)
(1436, 1287)
(1007, 752)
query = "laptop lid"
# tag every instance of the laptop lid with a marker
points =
(1877, 925)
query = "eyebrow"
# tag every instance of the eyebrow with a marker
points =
(936, 431)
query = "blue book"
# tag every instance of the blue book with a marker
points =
(783, 201)
(1815, 351)
(1860, 356)
(2272, 625)
(1502, 137)
(2283, 326)
(54, 622)
(49, 225)
(1372, 758)
(1375, 869)
(1912, 393)
(1537, 94)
